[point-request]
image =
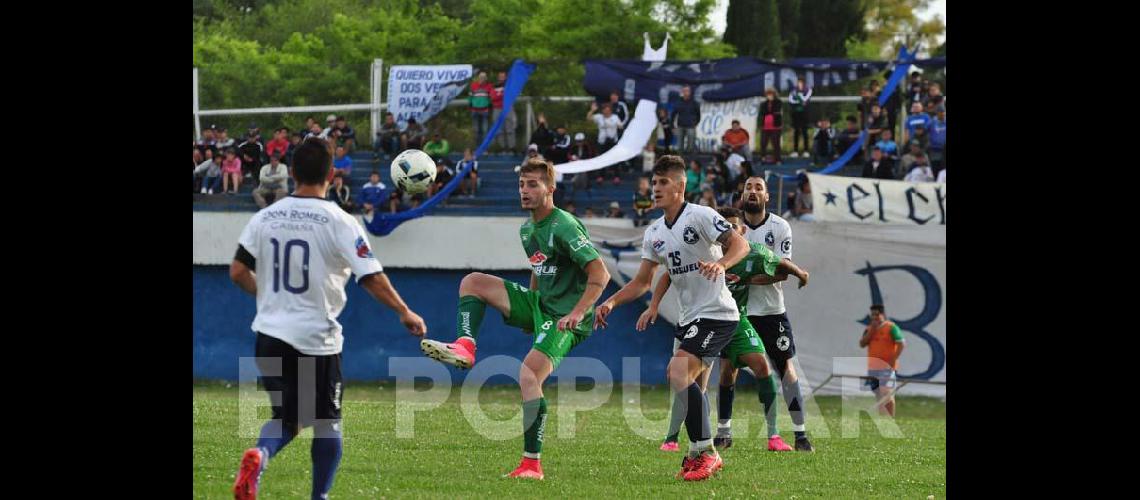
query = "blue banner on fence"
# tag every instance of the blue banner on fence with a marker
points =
(383, 224)
(724, 79)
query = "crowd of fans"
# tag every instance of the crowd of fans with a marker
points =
(222, 164)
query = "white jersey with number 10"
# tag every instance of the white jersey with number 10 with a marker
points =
(305, 248)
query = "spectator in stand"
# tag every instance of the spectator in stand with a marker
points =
(414, 135)
(941, 176)
(648, 158)
(308, 128)
(210, 171)
(866, 101)
(642, 202)
(438, 148)
(608, 126)
(773, 119)
(582, 149)
(664, 129)
(479, 99)
(589, 213)
(347, 135)
(373, 193)
(387, 138)
(732, 170)
(615, 211)
(937, 147)
(315, 130)
(223, 141)
(443, 175)
(274, 179)
(878, 167)
(802, 207)
(686, 117)
(330, 120)
(738, 140)
(251, 151)
(876, 124)
(915, 91)
(343, 163)
(506, 136)
(916, 119)
(893, 105)
(694, 177)
(914, 148)
(798, 100)
(231, 171)
(294, 141)
(620, 109)
(571, 207)
(279, 144)
(888, 146)
(208, 142)
(921, 136)
(848, 137)
(340, 194)
(920, 171)
(469, 184)
(823, 143)
(707, 197)
(542, 136)
(198, 158)
(934, 97)
(559, 151)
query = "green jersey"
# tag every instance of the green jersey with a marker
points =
(760, 260)
(558, 248)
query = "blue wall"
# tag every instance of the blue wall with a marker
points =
(223, 314)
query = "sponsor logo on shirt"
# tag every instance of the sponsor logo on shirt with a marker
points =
(362, 249)
(658, 245)
(691, 235)
(538, 258)
(578, 244)
(731, 278)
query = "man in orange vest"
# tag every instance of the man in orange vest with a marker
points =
(884, 343)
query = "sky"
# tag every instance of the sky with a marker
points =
(718, 14)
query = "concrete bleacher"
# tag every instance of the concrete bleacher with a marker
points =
(498, 194)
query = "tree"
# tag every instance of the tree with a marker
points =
(893, 23)
(826, 27)
(789, 26)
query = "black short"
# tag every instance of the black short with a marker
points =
(308, 387)
(705, 337)
(776, 333)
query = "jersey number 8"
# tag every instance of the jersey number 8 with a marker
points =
(281, 273)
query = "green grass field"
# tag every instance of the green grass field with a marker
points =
(606, 457)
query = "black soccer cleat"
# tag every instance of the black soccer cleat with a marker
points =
(802, 444)
(723, 443)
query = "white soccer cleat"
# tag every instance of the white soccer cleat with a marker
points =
(460, 354)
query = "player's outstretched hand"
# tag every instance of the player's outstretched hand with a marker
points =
(600, 314)
(647, 318)
(414, 323)
(804, 279)
(711, 270)
(570, 321)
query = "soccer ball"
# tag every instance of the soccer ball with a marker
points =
(413, 171)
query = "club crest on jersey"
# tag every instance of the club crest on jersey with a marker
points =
(362, 249)
(691, 235)
(770, 239)
(721, 225)
(786, 246)
(538, 258)
(658, 245)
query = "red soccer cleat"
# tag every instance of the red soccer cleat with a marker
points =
(530, 468)
(670, 446)
(245, 487)
(460, 354)
(776, 443)
(687, 464)
(706, 465)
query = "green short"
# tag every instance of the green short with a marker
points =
(745, 340)
(528, 315)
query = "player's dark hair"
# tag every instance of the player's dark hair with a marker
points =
(669, 166)
(730, 212)
(759, 178)
(312, 161)
(878, 308)
(540, 165)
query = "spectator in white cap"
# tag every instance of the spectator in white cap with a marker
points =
(330, 120)
(615, 211)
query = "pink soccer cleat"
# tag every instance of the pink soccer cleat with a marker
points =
(776, 443)
(460, 354)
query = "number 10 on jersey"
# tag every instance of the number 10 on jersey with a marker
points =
(281, 272)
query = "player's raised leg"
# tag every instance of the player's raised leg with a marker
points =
(476, 291)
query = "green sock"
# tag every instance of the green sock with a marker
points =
(534, 424)
(470, 316)
(768, 401)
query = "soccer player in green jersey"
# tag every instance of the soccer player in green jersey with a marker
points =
(745, 349)
(567, 278)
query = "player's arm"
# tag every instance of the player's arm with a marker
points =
(764, 279)
(241, 271)
(650, 315)
(635, 288)
(378, 286)
(865, 340)
(786, 267)
(533, 281)
(900, 343)
(597, 277)
(735, 248)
